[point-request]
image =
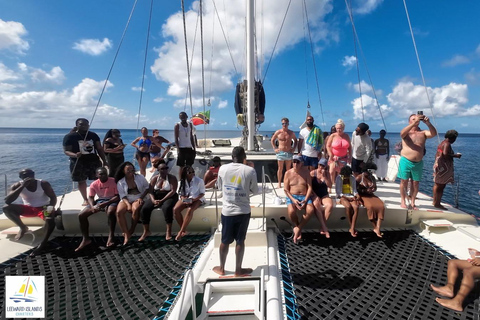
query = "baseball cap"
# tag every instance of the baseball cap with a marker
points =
(323, 162)
(297, 157)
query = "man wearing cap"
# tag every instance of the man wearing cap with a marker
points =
(298, 188)
(39, 199)
(310, 142)
(185, 141)
(361, 148)
(210, 177)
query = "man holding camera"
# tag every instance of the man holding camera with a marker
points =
(413, 150)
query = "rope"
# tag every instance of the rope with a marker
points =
(186, 53)
(226, 40)
(356, 58)
(420, 67)
(276, 41)
(314, 65)
(106, 80)
(203, 73)
(191, 64)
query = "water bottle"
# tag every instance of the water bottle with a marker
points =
(47, 211)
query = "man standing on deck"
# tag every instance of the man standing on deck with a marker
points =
(236, 180)
(82, 146)
(361, 148)
(298, 189)
(411, 160)
(39, 199)
(285, 149)
(185, 142)
(310, 143)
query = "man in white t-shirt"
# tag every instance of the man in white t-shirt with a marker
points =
(310, 142)
(236, 180)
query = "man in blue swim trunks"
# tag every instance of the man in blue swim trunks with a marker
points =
(411, 162)
(298, 188)
(310, 142)
(287, 142)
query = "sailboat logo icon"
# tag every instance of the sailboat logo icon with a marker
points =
(27, 292)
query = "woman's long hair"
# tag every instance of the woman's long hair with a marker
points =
(107, 135)
(183, 180)
(120, 174)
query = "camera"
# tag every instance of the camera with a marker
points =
(420, 113)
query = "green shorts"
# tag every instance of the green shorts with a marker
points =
(409, 169)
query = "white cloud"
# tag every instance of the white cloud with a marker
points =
(472, 76)
(7, 74)
(477, 51)
(93, 47)
(456, 60)
(370, 108)
(366, 6)
(138, 89)
(366, 88)
(464, 125)
(11, 34)
(170, 65)
(224, 123)
(449, 100)
(159, 99)
(55, 75)
(349, 62)
(222, 104)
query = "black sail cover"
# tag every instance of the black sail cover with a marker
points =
(241, 101)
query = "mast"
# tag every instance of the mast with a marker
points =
(250, 75)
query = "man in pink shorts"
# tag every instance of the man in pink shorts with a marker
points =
(39, 199)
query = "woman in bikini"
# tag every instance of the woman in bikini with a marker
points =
(113, 146)
(162, 194)
(192, 192)
(143, 149)
(132, 188)
(443, 167)
(321, 199)
(346, 190)
(339, 149)
(366, 188)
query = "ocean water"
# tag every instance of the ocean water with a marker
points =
(41, 150)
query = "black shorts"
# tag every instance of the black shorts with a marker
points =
(85, 168)
(139, 155)
(186, 156)
(356, 165)
(235, 228)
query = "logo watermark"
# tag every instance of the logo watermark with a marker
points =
(25, 296)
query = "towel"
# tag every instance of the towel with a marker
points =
(315, 138)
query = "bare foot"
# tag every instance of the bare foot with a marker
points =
(180, 235)
(378, 233)
(38, 250)
(296, 234)
(353, 232)
(450, 304)
(444, 291)
(85, 203)
(403, 205)
(243, 272)
(21, 233)
(326, 233)
(219, 270)
(83, 244)
(414, 207)
(144, 235)
(126, 237)
(168, 236)
(439, 206)
(110, 242)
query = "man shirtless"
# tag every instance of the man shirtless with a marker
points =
(298, 188)
(285, 148)
(411, 163)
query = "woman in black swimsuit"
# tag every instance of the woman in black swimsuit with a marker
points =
(113, 146)
(321, 199)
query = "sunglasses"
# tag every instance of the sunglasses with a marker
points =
(284, 123)
(296, 161)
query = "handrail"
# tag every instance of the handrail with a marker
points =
(6, 185)
(263, 197)
(216, 204)
(188, 278)
(271, 183)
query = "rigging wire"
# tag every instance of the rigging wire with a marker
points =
(186, 53)
(305, 56)
(211, 62)
(367, 69)
(203, 71)
(191, 63)
(420, 66)
(314, 64)
(145, 63)
(225, 36)
(350, 14)
(276, 41)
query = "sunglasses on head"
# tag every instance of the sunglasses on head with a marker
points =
(296, 161)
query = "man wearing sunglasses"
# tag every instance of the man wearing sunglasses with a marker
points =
(287, 142)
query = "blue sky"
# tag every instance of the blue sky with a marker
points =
(55, 57)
